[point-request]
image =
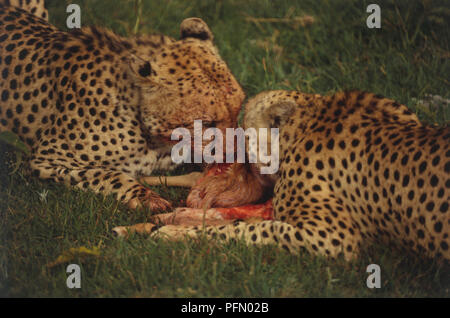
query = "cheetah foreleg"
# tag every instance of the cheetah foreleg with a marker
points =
(100, 180)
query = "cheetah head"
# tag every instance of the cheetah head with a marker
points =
(270, 109)
(187, 80)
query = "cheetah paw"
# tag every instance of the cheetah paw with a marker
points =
(151, 200)
(140, 228)
(172, 232)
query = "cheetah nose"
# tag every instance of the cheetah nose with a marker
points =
(119, 231)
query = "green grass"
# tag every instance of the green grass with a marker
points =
(406, 59)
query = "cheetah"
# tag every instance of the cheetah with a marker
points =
(355, 167)
(98, 109)
(36, 7)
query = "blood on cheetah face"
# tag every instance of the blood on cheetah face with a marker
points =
(185, 81)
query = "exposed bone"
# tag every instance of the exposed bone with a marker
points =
(186, 180)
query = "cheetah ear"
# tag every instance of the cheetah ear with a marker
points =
(139, 69)
(195, 28)
(264, 110)
(279, 113)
